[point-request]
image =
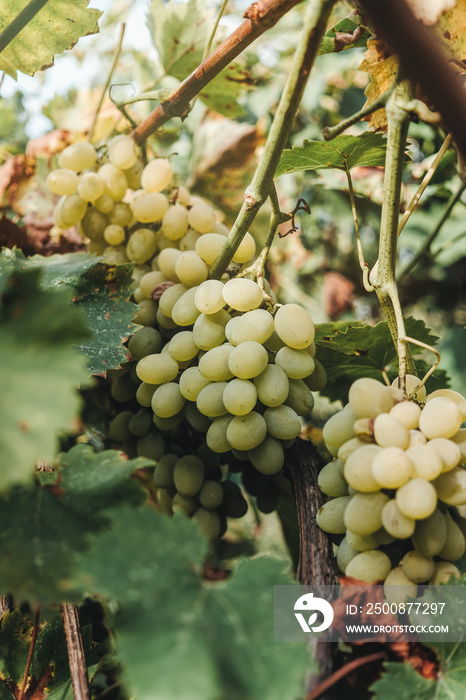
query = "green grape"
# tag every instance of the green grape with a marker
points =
(331, 480)
(170, 297)
(451, 396)
(141, 245)
(430, 534)
(120, 214)
(330, 516)
(182, 346)
(397, 587)
(209, 522)
(119, 427)
(318, 379)
(417, 499)
(195, 418)
(115, 181)
(167, 400)
(123, 389)
(246, 250)
(390, 432)
(216, 436)
(71, 210)
(363, 514)
(163, 473)
(175, 222)
(268, 457)
(184, 312)
(62, 181)
(190, 269)
(209, 330)
(79, 156)
(184, 504)
(370, 566)
(242, 294)
(164, 501)
(416, 438)
(146, 315)
(166, 261)
(300, 397)
(408, 413)
(254, 325)
(391, 467)
(148, 207)
(358, 469)
(213, 365)
(210, 400)
(188, 475)
(412, 384)
(149, 281)
(140, 423)
(440, 418)
(344, 554)
(157, 175)
(426, 463)
(211, 495)
(201, 218)
(272, 386)
(451, 486)
(416, 567)
(208, 246)
(369, 397)
(239, 395)
(448, 451)
(361, 543)
(248, 360)
(104, 204)
(114, 234)
(454, 546)
(246, 432)
(460, 440)
(145, 341)
(93, 224)
(444, 570)
(294, 326)
(157, 368)
(282, 422)
(90, 187)
(192, 382)
(296, 363)
(151, 446)
(123, 151)
(209, 297)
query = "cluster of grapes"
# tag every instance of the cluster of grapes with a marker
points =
(396, 482)
(213, 357)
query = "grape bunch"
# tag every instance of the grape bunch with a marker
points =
(213, 358)
(396, 485)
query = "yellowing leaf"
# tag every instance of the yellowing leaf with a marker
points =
(451, 30)
(382, 65)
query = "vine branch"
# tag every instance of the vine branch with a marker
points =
(318, 12)
(74, 645)
(35, 631)
(19, 22)
(259, 17)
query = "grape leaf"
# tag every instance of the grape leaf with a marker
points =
(56, 27)
(367, 149)
(101, 291)
(39, 373)
(149, 563)
(359, 350)
(43, 528)
(15, 641)
(450, 681)
(346, 34)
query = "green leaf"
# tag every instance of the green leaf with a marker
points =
(410, 685)
(102, 293)
(349, 352)
(202, 641)
(42, 529)
(344, 151)
(15, 641)
(222, 93)
(332, 42)
(56, 27)
(39, 373)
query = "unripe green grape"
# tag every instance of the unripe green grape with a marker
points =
(294, 326)
(216, 436)
(208, 246)
(398, 587)
(93, 224)
(347, 448)
(454, 546)
(119, 427)
(79, 156)
(300, 397)
(213, 365)
(211, 495)
(104, 204)
(451, 486)
(361, 543)
(239, 396)
(390, 432)
(417, 499)
(123, 389)
(190, 269)
(282, 422)
(448, 451)
(427, 464)
(338, 429)
(157, 175)
(140, 423)
(430, 534)
(318, 379)
(62, 181)
(141, 246)
(254, 325)
(296, 363)
(408, 413)
(417, 567)
(120, 214)
(133, 175)
(144, 394)
(166, 261)
(210, 400)
(175, 222)
(344, 554)
(115, 181)
(167, 400)
(370, 566)
(157, 368)
(392, 468)
(440, 418)
(242, 294)
(412, 384)
(444, 570)
(209, 522)
(246, 249)
(123, 151)
(363, 514)
(248, 360)
(209, 330)
(164, 501)
(145, 341)
(151, 446)
(146, 315)
(268, 457)
(201, 218)
(148, 207)
(191, 383)
(149, 281)
(168, 423)
(272, 386)
(330, 516)
(331, 480)
(209, 297)
(189, 240)
(188, 475)
(195, 418)
(451, 395)
(246, 432)
(182, 346)
(186, 505)
(71, 210)
(114, 234)
(184, 312)
(169, 298)
(358, 469)
(369, 397)
(90, 187)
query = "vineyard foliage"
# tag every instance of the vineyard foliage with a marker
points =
(164, 612)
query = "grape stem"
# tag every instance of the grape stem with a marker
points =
(32, 646)
(315, 22)
(382, 276)
(420, 344)
(331, 132)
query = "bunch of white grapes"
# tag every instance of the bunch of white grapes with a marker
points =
(213, 356)
(397, 477)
